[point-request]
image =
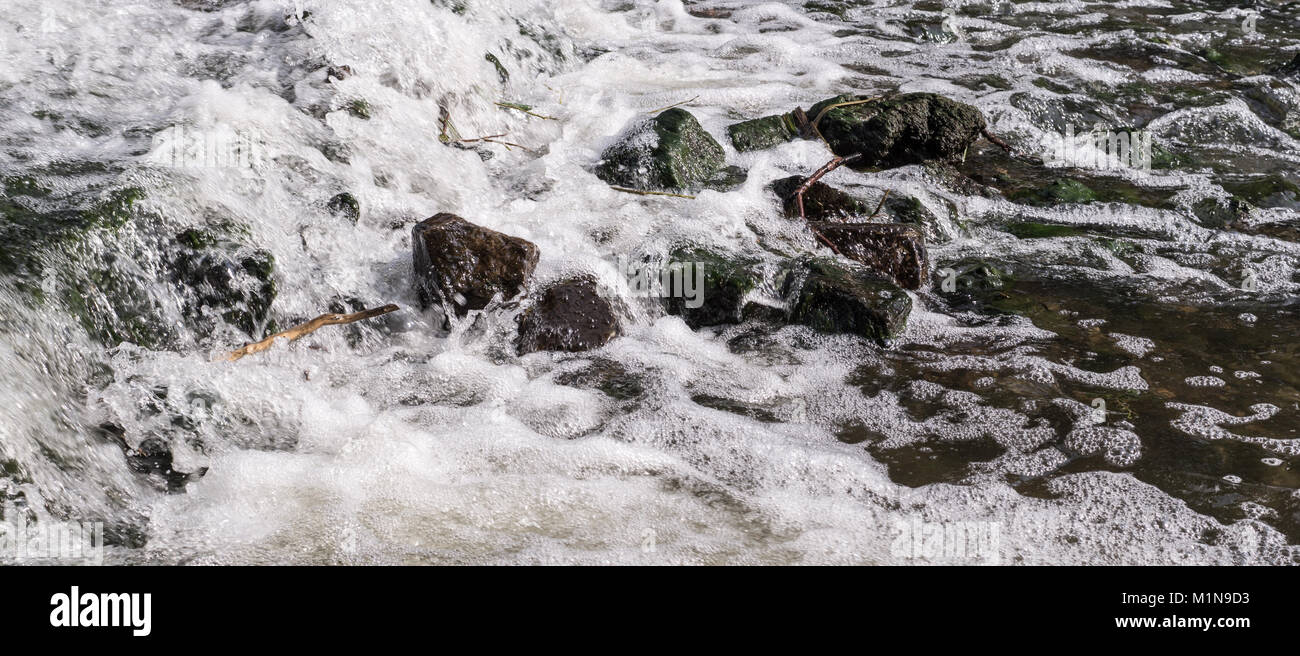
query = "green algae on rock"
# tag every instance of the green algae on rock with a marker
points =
(761, 133)
(907, 129)
(669, 151)
(225, 279)
(726, 283)
(345, 205)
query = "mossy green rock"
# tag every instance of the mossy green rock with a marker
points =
(1032, 230)
(1219, 213)
(835, 297)
(906, 129)
(227, 280)
(346, 206)
(1062, 190)
(724, 284)
(762, 133)
(670, 151)
(1266, 191)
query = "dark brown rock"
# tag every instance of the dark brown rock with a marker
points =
(894, 249)
(570, 316)
(462, 266)
(820, 202)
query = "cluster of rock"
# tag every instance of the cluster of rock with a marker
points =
(462, 267)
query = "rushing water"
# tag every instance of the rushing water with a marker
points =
(403, 441)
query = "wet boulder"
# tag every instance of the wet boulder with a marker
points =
(609, 376)
(820, 202)
(894, 249)
(836, 297)
(669, 151)
(569, 316)
(906, 129)
(715, 288)
(152, 459)
(462, 267)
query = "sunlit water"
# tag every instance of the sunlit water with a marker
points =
(402, 442)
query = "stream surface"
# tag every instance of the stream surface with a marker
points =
(1113, 381)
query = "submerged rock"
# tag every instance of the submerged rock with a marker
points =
(894, 249)
(570, 316)
(823, 202)
(761, 133)
(462, 266)
(907, 129)
(910, 210)
(151, 460)
(1219, 212)
(608, 376)
(670, 151)
(835, 297)
(1060, 191)
(346, 206)
(226, 279)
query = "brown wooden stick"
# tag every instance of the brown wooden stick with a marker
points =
(308, 328)
(880, 206)
(998, 142)
(817, 175)
(822, 237)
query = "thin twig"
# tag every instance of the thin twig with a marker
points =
(881, 205)
(1000, 143)
(508, 144)
(817, 175)
(642, 192)
(489, 137)
(308, 328)
(447, 131)
(664, 109)
(837, 106)
(525, 109)
(819, 234)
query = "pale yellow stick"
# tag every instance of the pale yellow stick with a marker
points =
(664, 109)
(308, 328)
(650, 193)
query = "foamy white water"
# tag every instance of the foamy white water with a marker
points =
(412, 444)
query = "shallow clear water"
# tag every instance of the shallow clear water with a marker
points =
(401, 442)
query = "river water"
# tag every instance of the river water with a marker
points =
(130, 131)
